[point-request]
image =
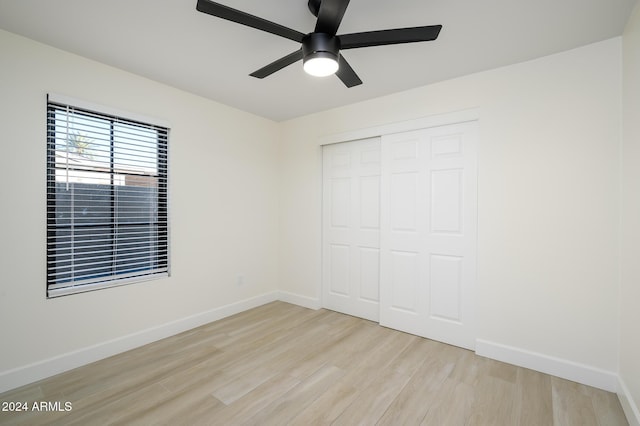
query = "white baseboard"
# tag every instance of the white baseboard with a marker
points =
(296, 299)
(558, 367)
(628, 404)
(21, 376)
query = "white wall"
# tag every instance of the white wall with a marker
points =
(630, 218)
(548, 198)
(223, 207)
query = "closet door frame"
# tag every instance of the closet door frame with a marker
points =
(456, 117)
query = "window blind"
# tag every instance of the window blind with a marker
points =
(107, 212)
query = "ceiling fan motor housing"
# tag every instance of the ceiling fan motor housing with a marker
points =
(320, 45)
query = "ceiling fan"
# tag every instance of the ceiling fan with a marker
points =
(320, 50)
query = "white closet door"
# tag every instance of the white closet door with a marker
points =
(351, 228)
(428, 232)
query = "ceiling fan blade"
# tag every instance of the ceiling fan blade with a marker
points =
(383, 37)
(278, 65)
(347, 74)
(330, 15)
(225, 12)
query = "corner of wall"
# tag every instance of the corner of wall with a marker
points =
(628, 405)
(296, 299)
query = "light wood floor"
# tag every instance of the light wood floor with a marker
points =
(281, 364)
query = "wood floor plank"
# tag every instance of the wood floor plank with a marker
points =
(416, 398)
(467, 365)
(571, 407)
(355, 336)
(298, 398)
(187, 407)
(388, 346)
(146, 374)
(328, 406)
(266, 329)
(535, 399)
(283, 364)
(242, 385)
(414, 355)
(607, 408)
(451, 404)
(503, 371)
(256, 401)
(368, 407)
(494, 403)
(116, 406)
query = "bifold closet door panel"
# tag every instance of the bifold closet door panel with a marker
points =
(428, 232)
(351, 228)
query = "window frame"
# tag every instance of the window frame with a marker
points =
(160, 239)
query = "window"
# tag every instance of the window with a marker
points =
(107, 222)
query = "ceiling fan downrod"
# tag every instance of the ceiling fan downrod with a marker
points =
(314, 7)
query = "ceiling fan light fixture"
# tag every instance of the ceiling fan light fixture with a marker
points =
(321, 64)
(320, 54)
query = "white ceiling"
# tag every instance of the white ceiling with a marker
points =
(169, 41)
